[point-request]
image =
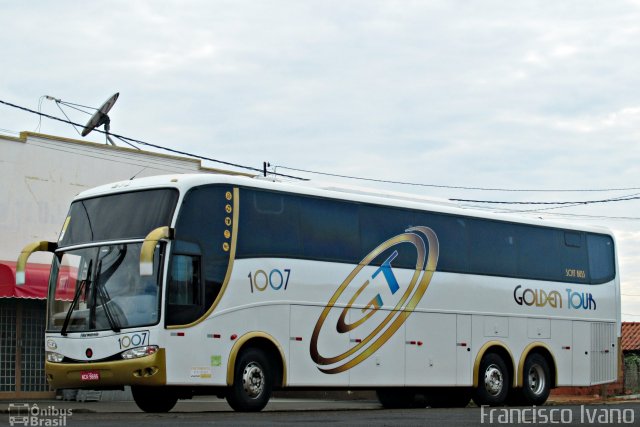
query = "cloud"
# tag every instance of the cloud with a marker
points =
(493, 94)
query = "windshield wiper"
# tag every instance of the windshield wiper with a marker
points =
(115, 327)
(76, 297)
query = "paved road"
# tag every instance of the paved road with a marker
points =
(324, 413)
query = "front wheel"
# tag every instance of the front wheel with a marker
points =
(154, 399)
(252, 382)
(493, 381)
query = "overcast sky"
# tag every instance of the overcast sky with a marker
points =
(495, 94)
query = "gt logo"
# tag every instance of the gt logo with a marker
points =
(378, 325)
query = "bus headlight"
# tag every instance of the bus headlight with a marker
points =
(139, 352)
(52, 356)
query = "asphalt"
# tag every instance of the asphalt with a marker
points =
(214, 404)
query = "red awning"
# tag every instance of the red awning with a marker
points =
(37, 280)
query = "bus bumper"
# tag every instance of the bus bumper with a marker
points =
(148, 370)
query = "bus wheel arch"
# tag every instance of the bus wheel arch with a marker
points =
(266, 344)
(537, 375)
(543, 351)
(495, 360)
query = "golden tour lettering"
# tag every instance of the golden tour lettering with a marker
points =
(537, 297)
(541, 298)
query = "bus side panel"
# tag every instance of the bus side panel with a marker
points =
(386, 366)
(464, 362)
(302, 370)
(581, 353)
(561, 342)
(433, 362)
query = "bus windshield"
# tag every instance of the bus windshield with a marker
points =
(118, 216)
(100, 288)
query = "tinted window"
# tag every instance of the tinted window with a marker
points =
(573, 258)
(492, 248)
(119, 216)
(539, 253)
(601, 258)
(330, 230)
(452, 238)
(204, 228)
(270, 225)
(184, 299)
(377, 225)
(286, 225)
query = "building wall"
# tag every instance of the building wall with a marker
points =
(40, 175)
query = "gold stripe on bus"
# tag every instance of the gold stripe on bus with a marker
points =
(481, 353)
(21, 265)
(239, 344)
(149, 248)
(527, 350)
(147, 371)
(232, 256)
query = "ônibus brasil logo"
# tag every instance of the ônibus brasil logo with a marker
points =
(373, 325)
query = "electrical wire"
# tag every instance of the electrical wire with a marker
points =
(37, 129)
(128, 143)
(555, 204)
(454, 187)
(171, 150)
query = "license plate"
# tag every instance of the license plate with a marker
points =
(89, 375)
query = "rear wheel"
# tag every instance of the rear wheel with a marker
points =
(537, 380)
(154, 399)
(493, 381)
(252, 382)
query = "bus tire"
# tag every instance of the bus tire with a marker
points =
(536, 380)
(154, 399)
(252, 382)
(399, 398)
(493, 381)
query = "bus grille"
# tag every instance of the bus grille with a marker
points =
(603, 353)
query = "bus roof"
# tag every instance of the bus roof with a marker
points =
(183, 182)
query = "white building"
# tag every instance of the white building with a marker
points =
(40, 175)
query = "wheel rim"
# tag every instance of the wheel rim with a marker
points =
(493, 380)
(253, 379)
(537, 380)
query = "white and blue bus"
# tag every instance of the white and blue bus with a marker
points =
(210, 284)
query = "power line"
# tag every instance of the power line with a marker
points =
(184, 153)
(559, 214)
(565, 204)
(556, 205)
(454, 187)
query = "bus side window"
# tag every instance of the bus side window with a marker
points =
(184, 302)
(601, 258)
(575, 258)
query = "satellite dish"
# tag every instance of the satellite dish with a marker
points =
(101, 118)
